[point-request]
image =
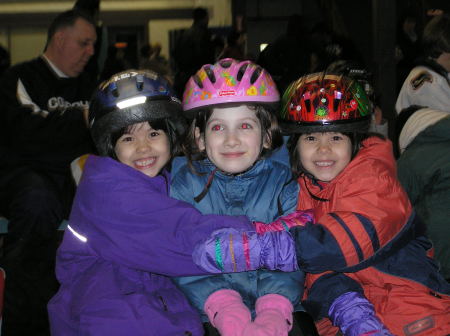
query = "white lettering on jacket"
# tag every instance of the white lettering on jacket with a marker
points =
(61, 105)
(53, 104)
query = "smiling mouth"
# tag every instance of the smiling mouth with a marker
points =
(145, 163)
(233, 155)
(324, 163)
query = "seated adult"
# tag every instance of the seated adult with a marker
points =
(424, 171)
(41, 131)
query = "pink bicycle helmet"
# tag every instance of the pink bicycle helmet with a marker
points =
(229, 81)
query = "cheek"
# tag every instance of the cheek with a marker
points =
(254, 141)
(167, 146)
(71, 50)
(348, 157)
(346, 154)
(301, 151)
(122, 153)
(210, 142)
(258, 141)
(305, 155)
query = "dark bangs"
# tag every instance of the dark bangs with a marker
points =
(294, 156)
(158, 124)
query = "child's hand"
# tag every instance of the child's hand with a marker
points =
(231, 250)
(297, 218)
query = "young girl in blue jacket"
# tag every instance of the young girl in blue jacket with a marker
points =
(125, 234)
(233, 131)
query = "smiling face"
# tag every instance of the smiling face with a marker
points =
(232, 139)
(324, 155)
(144, 149)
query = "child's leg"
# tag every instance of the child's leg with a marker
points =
(227, 312)
(273, 316)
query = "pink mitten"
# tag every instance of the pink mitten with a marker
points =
(273, 317)
(227, 312)
(297, 218)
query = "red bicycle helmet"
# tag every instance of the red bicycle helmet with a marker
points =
(323, 102)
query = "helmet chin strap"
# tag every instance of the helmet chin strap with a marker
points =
(205, 190)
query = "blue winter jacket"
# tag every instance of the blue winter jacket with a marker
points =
(262, 193)
(125, 236)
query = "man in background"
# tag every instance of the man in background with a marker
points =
(41, 131)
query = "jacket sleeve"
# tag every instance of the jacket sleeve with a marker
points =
(374, 215)
(143, 229)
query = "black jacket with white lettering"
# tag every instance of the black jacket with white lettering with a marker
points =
(41, 120)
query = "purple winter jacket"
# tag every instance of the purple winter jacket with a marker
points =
(125, 236)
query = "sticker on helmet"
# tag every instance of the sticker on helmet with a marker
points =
(227, 93)
(321, 112)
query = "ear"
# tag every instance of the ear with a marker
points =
(58, 39)
(267, 142)
(199, 139)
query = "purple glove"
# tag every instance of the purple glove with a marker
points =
(229, 250)
(297, 218)
(355, 316)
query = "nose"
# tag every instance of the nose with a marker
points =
(323, 146)
(143, 146)
(90, 49)
(231, 139)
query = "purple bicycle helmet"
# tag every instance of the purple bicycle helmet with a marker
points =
(229, 81)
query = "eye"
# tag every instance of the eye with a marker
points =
(216, 128)
(246, 126)
(337, 138)
(309, 138)
(153, 134)
(126, 138)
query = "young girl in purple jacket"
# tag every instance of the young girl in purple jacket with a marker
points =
(125, 234)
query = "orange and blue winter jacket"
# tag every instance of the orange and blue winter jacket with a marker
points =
(366, 238)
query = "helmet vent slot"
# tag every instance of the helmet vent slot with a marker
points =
(226, 63)
(198, 81)
(255, 75)
(210, 74)
(241, 72)
(114, 90)
(139, 82)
